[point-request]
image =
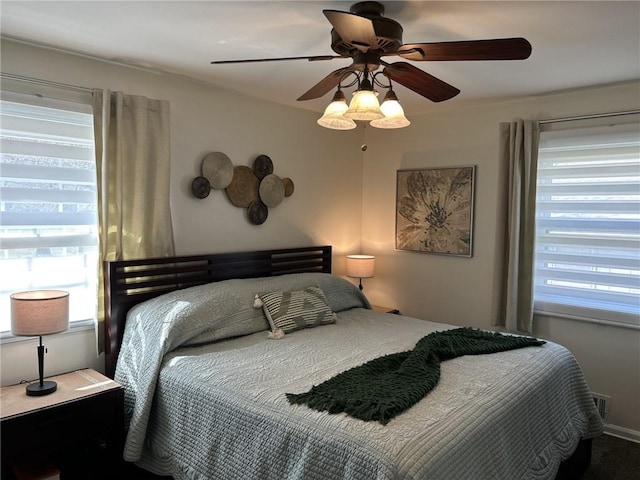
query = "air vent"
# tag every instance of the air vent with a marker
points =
(602, 403)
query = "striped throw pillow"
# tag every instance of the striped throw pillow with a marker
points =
(296, 310)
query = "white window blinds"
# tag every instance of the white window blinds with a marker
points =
(587, 254)
(48, 203)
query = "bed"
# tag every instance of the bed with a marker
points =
(206, 381)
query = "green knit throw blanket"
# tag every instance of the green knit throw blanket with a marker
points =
(387, 386)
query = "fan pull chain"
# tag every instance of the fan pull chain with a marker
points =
(364, 147)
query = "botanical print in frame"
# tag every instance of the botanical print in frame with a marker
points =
(434, 210)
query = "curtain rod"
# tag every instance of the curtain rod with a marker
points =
(586, 117)
(46, 83)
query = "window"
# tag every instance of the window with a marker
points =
(587, 254)
(48, 203)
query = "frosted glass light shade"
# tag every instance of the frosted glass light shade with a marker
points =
(393, 113)
(334, 118)
(393, 116)
(360, 266)
(39, 312)
(364, 106)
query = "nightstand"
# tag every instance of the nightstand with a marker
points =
(379, 308)
(78, 429)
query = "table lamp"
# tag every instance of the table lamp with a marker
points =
(360, 266)
(38, 313)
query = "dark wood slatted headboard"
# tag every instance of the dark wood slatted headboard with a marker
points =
(129, 282)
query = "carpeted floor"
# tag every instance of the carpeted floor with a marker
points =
(613, 458)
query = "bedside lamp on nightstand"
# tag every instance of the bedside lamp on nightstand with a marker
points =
(360, 266)
(37, 313)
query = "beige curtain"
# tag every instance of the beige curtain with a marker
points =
(133, 163)
(519, 158)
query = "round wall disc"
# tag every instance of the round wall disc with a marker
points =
(200, 187)
(288, 186)
(262, 166)
(271, 190)
(257, 212)
(243, 188)
(218, 169)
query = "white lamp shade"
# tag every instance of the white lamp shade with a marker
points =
(393, 116)
(364, 106)
(39, 312)
(334, 117)
(360, 266)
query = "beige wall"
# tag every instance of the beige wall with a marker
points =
(347, 200)
(462, 291)
(325, 166)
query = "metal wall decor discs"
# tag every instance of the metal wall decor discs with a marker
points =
(257, 212)
(288, 186)
(262, 166)
(200, 187)
(243, 188)
(271, 190)
(218, 169)
(255, 188)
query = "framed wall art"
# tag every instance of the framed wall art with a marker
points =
(434, 210)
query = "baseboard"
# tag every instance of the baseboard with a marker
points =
(621, 432)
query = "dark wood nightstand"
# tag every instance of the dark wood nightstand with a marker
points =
(379, 308)
(78, 429)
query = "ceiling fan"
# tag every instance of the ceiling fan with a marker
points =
(366, 36)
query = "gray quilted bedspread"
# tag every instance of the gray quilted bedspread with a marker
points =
(219, 411)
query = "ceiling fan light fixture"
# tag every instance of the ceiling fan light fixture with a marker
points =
(333, 116)
(364, 106)
(336, 121)
(393, 113)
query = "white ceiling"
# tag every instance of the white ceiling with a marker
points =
(575, 43)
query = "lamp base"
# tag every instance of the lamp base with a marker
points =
(36, 390)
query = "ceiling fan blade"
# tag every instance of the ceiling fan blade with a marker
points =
(420, 82)
(327, 84)
(496, 49)
(315, 58)
(353, 29)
